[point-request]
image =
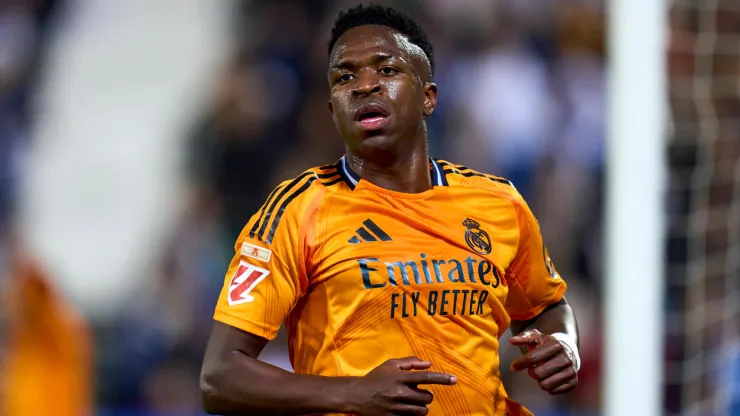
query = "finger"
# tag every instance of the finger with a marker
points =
(536, 356)
(407, 409)
(429, 377)
(409, 363)
(550, 367)
(559, 379)
(565, 387)
(531, 336)
(416, 396)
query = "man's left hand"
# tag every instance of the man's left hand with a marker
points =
(549, 361)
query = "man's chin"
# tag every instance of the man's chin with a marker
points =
(377, 140)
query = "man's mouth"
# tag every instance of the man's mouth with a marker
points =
(371, 117)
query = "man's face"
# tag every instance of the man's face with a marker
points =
(380, 86)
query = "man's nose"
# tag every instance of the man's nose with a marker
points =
(367, 83)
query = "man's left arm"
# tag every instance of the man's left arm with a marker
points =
(542, 322)
(550, 343)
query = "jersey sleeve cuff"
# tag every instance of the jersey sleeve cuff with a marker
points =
(536, 310)
(259, 329)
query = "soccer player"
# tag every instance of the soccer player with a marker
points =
(395, 274)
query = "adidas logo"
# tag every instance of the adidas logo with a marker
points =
(364, 234)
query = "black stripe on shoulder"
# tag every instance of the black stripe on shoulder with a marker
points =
(325, 167)
(334, 182)
(466, 171)
(263, 210)
(462, 168)
(284, 205)
(500, 180)
(491, 177)
(329, 174)
(447, 167)
(280, 195)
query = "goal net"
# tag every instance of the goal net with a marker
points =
(703, 248)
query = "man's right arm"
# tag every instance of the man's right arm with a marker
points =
(234, 382)
(266, 278)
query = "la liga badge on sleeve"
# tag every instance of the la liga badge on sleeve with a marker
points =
(246, 277)
(256, 252)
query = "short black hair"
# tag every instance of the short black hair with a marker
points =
(375, 14)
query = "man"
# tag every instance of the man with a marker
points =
(387, 264)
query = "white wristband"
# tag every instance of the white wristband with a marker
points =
(570, 345)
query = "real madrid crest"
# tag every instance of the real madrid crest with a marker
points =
(476, 238)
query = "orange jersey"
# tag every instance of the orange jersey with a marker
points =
(360, 274)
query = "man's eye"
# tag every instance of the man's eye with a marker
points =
(386, 70)
(344, 77)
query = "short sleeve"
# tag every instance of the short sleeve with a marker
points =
(267, 275)
(534, 284)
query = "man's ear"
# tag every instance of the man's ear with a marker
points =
(430, 98)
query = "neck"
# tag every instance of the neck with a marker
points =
(404, 171)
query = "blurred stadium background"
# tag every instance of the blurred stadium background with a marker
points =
(137, 137)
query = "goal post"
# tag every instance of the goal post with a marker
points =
(636, 175)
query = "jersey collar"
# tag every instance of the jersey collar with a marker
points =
(352, 178)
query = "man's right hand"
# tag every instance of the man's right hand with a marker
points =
(391, 388)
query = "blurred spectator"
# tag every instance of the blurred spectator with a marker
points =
(232, 150)
(504, 89)
(17, 46)
(576, 152)
(23, 28)
(49, 347)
